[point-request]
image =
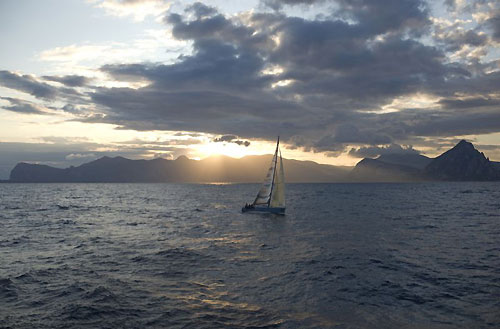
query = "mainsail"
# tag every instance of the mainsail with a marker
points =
(272, 191)
(264, 194)
(278, 192)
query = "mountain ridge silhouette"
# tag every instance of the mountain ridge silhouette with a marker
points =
(461, 163)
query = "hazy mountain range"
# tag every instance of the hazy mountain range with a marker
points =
(461, 163)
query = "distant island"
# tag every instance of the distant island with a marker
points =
(461, 163)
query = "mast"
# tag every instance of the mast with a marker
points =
(274, 172)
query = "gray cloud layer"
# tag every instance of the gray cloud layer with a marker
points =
(334, 75)
(22, 106)
(69, 80)
(27, 84)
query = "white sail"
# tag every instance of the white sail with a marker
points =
(265, 190)
(278, 192)
(271, 196)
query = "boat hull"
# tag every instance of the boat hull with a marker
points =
(272, 210)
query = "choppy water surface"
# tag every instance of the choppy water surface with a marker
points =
(183, 256)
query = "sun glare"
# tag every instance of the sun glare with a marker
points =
(222, 148)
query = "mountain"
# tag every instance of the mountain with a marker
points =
(376, 170)
(416, 161)
(462, 163)
(212, 169)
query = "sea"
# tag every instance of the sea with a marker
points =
(419, 255)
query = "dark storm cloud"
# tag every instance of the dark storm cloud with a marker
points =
(218, 88)
(69, 80)
(27, 84)
(210, 24)
(319, 44)
(381, 16)
(359, 72)
(469, 103)
(333, 75)
(22, 106)
(158, 109)
(214, 66)
(349, 133)
(460, 123)
(408, 124)
(373, 16)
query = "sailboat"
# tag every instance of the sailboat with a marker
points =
(271, 196)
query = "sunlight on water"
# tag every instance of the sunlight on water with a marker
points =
(177, 256)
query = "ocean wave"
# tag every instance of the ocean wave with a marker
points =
(7, 287)
(142, 256)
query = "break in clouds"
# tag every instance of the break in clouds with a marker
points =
(368, 74)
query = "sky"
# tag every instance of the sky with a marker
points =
(337, 80)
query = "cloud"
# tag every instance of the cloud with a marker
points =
(325, 84)
(279, 4)
(454, 37)
(381, 16)
(336, 74)
(137, 9)
(73, 156)
(374, 151)
(464, 43)
(372, 16)
(27, 84)
(231, 139)
(473, 102)
(32, 86)
(162, 143)
(69, 80)
(23, 107)
(494, 23)
(218, 88)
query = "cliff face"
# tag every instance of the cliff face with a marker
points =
(462, 163)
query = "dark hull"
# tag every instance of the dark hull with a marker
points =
(277, 211)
